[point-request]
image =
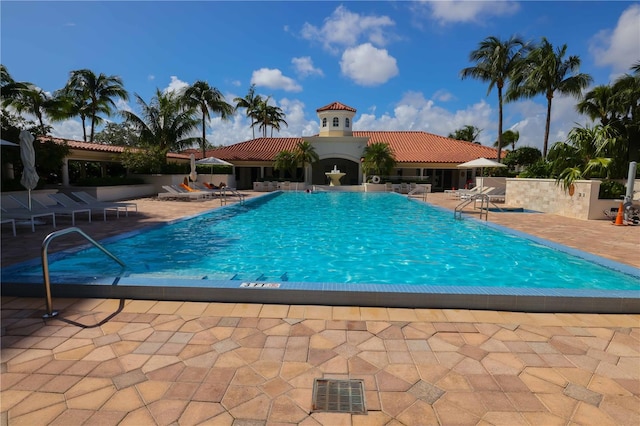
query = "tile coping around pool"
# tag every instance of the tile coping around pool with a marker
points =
(383, 295)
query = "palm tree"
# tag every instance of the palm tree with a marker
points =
(164, 122)
(9, 88)
(305, 153)
(509, 137)
(32, 100)
(70, 102)
(496, 62)
(287, 161)
(546, 72)
(627, 93)
(266, 115)
(586, 152)
(378, 159)
(98, 92)
(467, 133)
(206, 98)
(600, 104)
(250, 103)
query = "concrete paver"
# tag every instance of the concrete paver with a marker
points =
(225, 363)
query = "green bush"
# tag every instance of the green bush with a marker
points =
(611, 189)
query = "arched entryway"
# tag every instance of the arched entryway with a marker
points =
(351, 168)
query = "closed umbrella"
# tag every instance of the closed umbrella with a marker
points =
(193, 175)
(480, 163)
(29, 175)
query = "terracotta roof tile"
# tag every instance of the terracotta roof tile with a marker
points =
(260, 149)
(87, 146)
(336, 106)
(408, 147)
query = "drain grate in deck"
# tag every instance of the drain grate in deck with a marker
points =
(339, 396)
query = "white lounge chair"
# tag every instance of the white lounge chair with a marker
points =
(174, 191)
(89, 200)
(26, 215)
(12, 222)
(66, 201)
(39, 205)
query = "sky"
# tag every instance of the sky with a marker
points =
(397, 63)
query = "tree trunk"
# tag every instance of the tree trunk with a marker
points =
(546, 128)
(204, 135)
(499, 123)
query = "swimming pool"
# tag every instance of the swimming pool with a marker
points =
(356, 242)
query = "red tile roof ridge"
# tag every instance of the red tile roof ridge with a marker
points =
(99, 147)
(336, 106)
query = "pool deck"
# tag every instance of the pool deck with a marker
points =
(139, 362)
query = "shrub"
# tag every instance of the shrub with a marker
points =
(611, 189)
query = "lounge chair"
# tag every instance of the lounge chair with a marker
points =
(466, 194)
(66, 201)
(88, 199)
(174, 191)
(12, 222)
(22, 214)
(40, 206)
(213, 190)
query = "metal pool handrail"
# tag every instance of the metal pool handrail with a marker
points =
(45, 262)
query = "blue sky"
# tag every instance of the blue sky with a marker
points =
(397, 62)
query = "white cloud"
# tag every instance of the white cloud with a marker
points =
(69, 129)
(620, 47)
(151, 77)
(452, 11)
(176, 85)
(274, 79)
(368, 65)
(443, 95)
(344, 28)
(304, 66)
(122, 105)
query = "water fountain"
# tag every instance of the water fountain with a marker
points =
(335, 176)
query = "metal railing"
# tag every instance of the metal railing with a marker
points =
(45, 262)
(484, 206)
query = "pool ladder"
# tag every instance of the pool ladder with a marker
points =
(484, 206)
(45, 262)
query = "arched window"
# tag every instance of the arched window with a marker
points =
(324, 122)
(336, 122)
(346, 122)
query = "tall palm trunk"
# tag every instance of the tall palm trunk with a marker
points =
(547, 126)
(500, 122)
(204, 135)
(84, 127)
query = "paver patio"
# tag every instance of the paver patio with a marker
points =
(135, 362)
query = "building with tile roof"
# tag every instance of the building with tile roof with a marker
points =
(420, 156)
(83, 152)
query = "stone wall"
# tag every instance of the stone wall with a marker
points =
(545, 195)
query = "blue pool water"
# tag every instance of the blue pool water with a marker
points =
(339, 238)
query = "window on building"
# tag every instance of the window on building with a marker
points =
(336, 122)
(324, 122)
(346, 122)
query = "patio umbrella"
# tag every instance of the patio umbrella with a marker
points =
(193, 175)
(7, 143)
(213, 161)
(480, 163)
(29, 175)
